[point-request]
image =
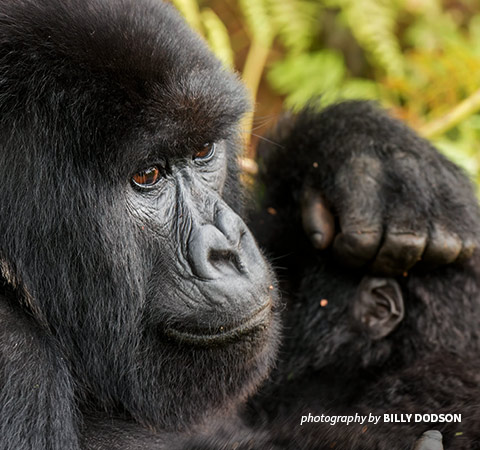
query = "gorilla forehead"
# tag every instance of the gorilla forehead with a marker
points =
(123, 57)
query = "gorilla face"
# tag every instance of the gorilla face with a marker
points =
(205, 251)
(119, 148)
(208, 302)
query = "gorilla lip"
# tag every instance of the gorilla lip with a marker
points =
(258, 321)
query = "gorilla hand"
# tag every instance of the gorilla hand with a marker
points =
(369, 186)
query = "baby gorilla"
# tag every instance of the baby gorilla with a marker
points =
(377, 346)
(393, 346)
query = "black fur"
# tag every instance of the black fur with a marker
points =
(138, 316)
(96, 274)
(429, 363)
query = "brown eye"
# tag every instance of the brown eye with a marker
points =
(147, 178)
(205, 153)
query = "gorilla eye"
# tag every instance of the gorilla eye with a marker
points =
(147, 178)
(205, 153)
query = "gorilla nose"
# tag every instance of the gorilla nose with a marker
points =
(212, 255)
(238, 279)
(219, 249)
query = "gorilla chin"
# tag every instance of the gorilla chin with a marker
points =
(212, 372)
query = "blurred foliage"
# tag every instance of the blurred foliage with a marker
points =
(419, 58)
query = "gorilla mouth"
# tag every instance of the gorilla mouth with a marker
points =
(257, 322)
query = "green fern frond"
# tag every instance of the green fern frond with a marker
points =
(217, 37)
(294, 21)
(190, 11)
(308, 75)
(373, 24)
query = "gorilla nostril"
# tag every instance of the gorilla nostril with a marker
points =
(212, 256)
(225, 260)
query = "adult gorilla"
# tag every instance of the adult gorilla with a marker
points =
(133, 296)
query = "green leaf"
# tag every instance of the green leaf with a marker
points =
(307, 75)
(358, 88)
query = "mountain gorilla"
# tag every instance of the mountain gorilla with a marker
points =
(356, 342)
(135, 303)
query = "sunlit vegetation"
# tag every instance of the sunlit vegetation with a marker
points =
(419, 58)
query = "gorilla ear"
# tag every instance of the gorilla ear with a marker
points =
(378, 306)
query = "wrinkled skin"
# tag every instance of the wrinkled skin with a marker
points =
(135, 303)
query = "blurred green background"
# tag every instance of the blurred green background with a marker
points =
(418, 58)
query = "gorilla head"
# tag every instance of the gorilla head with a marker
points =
(119, 140)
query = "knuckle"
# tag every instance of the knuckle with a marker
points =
(468, 248)
(443, 247)
(406, 243)
(362, 240)
(356, 248)
(400, 251)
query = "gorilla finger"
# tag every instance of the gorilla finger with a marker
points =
(430, 440)
(357, 248)
(360, 210)
(317, 220)
(400, 251)
(443, 247)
